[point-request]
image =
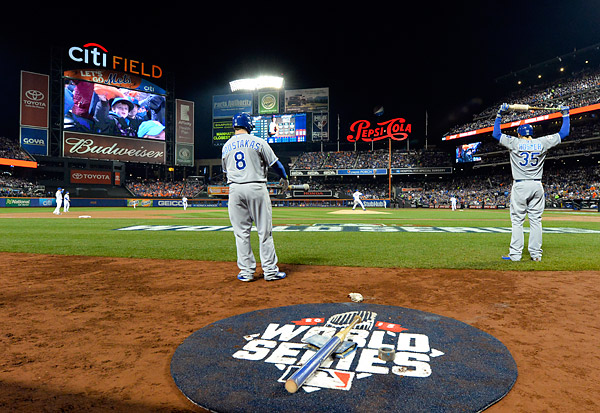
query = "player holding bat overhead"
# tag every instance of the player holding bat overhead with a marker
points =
(527, 155)
(245, 159)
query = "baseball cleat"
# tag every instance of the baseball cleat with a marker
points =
(536, 259)
(507, 258)
(245, 278)
(279, 276)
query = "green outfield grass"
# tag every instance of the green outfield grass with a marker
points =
(99, 237)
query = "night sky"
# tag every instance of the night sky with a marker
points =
(410, 59)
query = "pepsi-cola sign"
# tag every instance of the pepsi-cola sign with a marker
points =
(396, 129)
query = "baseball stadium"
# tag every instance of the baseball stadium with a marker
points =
(410, 271)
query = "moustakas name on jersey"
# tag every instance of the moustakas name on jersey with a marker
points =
(247, 158)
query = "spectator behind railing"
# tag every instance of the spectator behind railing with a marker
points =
(561, 183)
(12, 186)
(164, 189)
(11, 150)
(582, 89)
(370, 159)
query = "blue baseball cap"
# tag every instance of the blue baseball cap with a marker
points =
(128, 102)
(150, 127)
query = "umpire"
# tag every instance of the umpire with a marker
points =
(527, 157)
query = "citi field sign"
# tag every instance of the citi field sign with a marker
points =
(396, 129)
(97, 55)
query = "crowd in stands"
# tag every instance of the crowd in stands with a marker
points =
(583, 140)
(378, 158)
(154, 188)
(492, 190)
(582, 89)
(15, 187)
(10, 149)
(559, 183)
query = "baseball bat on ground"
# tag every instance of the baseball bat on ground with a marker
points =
(299, 377)
(525, 108)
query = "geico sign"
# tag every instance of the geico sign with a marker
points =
(97, 55)
(170, 203)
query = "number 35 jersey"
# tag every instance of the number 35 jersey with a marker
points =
(527, 156)
(246, 158)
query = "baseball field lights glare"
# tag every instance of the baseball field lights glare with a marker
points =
(261, 82)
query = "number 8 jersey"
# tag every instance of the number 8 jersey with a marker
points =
(527, 155)
(246, 158)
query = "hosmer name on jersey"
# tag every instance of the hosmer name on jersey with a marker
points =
(530, 146)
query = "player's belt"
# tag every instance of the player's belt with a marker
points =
(523, 180)
(249, 182)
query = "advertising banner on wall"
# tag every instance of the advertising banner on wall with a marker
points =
(225, 106)
(307, 100)
(184, 122)
(34, 99)
(222, 130)
(184, 133)
(34, 141)
(116, 79)
(184, 154)
(81, 145)
(320, 127)
(268, 103)
(80, 176)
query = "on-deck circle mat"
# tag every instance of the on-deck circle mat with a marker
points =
(240, 364)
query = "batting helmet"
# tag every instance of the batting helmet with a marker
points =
(243, 120)
(525, 130)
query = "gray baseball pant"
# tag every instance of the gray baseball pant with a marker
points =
(251, 203)
(526, 199)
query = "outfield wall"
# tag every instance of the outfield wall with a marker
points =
(192, 203)
(292, 202)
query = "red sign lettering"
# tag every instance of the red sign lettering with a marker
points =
(395, 129)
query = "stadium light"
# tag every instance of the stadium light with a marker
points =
(261, 82)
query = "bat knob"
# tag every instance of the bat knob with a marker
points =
(291, 386)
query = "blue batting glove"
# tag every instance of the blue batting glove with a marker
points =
(503, 109)
(564, 110)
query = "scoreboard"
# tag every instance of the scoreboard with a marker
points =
(281, 128)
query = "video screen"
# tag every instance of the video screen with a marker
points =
(281, 128)
(107, 110)
(466, 153)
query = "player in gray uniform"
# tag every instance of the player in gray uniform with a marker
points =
(527, 155)
(246, 159)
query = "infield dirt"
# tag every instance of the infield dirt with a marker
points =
(96, 334)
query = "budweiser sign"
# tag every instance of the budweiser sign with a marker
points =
(79, 176)
(396, 129)
(80, 145)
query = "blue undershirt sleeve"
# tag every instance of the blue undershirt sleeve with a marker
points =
(497, 133)
(565, 128)
(278, 167)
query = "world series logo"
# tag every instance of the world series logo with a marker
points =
(285, 346)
